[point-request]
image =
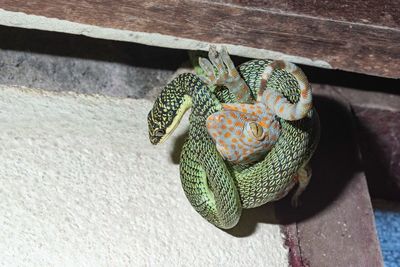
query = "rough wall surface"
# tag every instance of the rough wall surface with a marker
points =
(61, 62)
(82, 186)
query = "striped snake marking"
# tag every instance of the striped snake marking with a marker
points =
(244, 133)
(216, 188)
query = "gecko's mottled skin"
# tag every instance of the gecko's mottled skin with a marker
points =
(217, 189)
(244, 133)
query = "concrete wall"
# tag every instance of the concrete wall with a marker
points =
(81, 185)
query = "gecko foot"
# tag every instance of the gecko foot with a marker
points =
(303, 177)
(219, 69)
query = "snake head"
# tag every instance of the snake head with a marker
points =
(158, 122)
(165, 116)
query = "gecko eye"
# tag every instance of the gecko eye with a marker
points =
(256, 130)
(159, 133)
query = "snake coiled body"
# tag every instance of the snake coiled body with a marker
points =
(244, 133)
(216, 189)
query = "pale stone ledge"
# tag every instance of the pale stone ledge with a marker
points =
(19, 19)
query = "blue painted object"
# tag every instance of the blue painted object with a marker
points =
(387, 219)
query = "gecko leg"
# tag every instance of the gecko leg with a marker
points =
(303, 178)
(220, 70)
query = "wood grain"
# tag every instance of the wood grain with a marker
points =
(370, 12)
(349, 35)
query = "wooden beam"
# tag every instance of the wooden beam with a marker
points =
(345, 34)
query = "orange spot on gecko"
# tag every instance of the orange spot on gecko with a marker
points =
(263, 83)
(229, 107)
(277, 99)
(267, 96)
(227, 134)
(264, 124)
(239, 124)
(304, 93)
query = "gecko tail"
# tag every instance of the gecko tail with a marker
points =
(277, 102)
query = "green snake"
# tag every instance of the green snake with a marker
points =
(244, 133)
(218, 190)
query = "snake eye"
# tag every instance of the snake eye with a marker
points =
(159, 133)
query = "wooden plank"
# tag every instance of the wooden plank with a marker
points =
(371, 12)
(340, 38)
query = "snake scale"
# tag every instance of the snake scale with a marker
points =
(242, 132)
(217, 189)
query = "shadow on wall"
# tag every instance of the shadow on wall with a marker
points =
(378, 131)
(63, 62)
(334, 164)
(178, 145)
(358, 81)
(66, 62)
(78, 46)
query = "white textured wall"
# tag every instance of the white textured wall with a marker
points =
(81, 185)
